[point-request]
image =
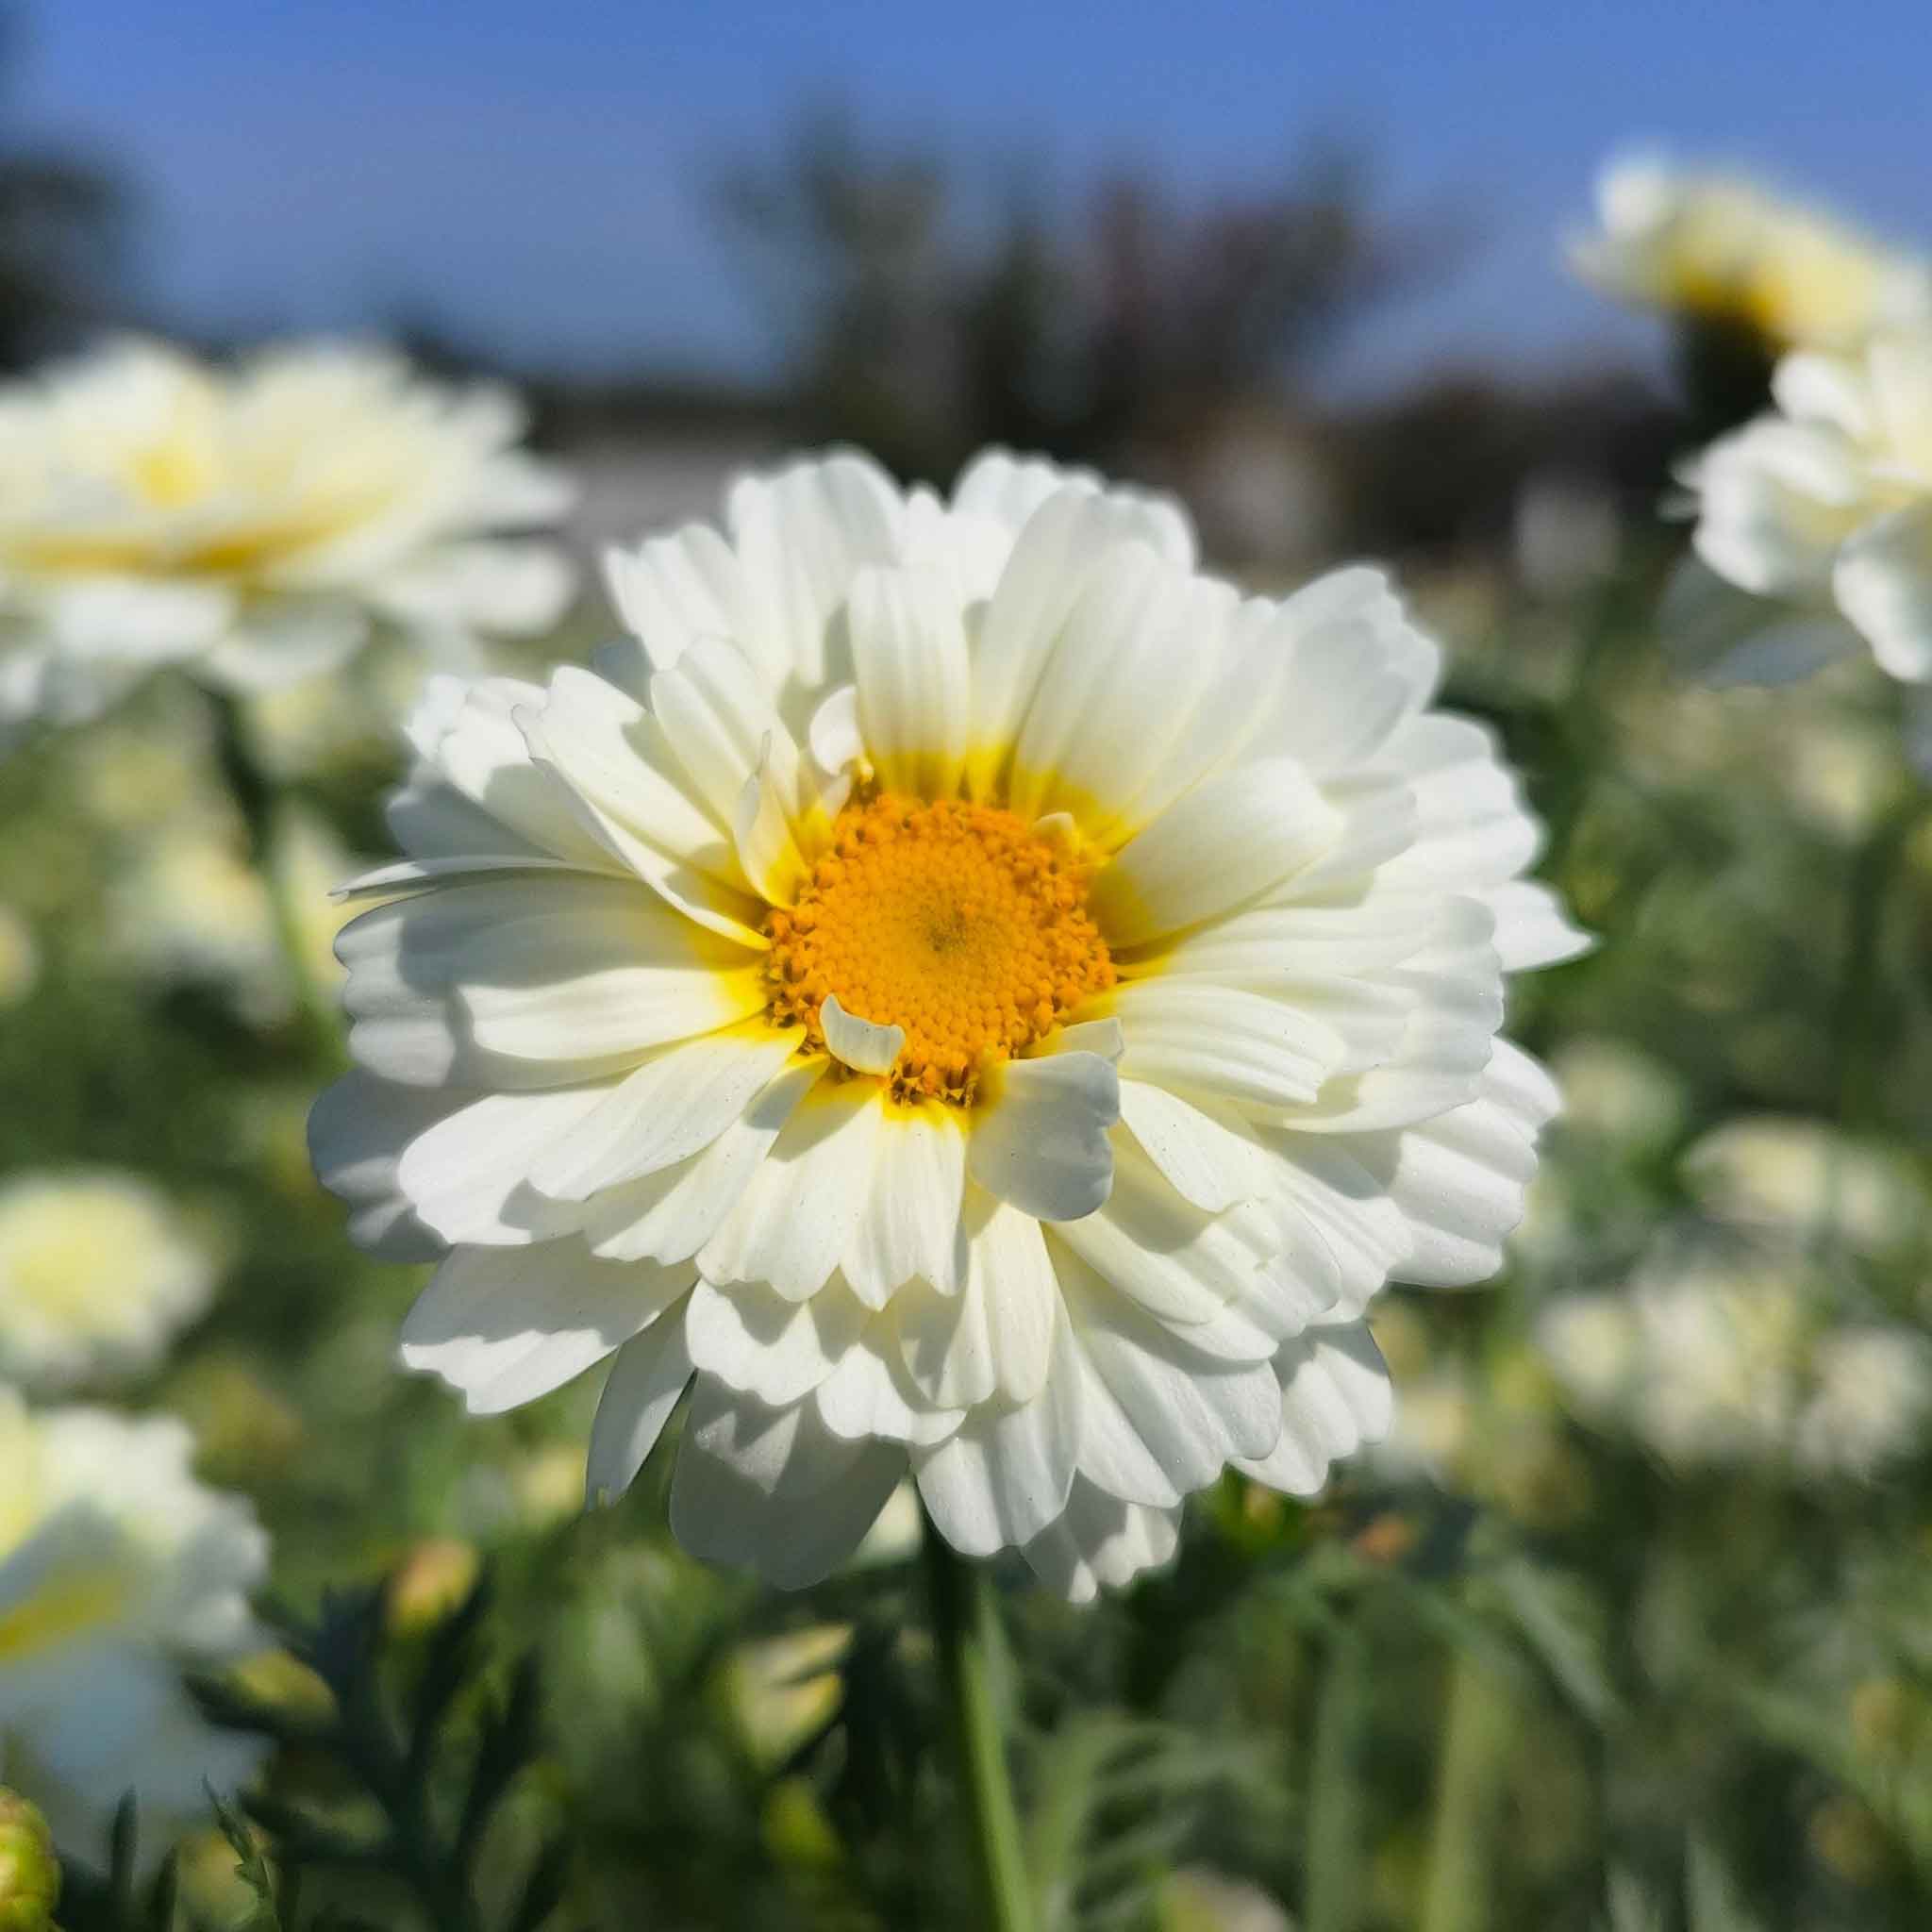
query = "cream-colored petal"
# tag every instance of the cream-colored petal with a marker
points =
(908, 649)
(859, 1043)
(1039, 1134)
(797, 1219)
(1233, 838)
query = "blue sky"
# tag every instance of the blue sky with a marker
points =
(534, 171)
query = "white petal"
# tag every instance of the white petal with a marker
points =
(1531, 930)
(1242, 1048)
(1459, 1179)
(1231, 839)
(1011, 1274)
(1117, 689)
(719, 722)
(1883, 582)
(1100, 1542)
(648, 1375)
(505, 1325)
(795, 1220)
(357, 1134)
(1472, 827)
(761, 831)
(869, 1393)
(468, 738)
(470, 1174)
(1354, 668)
(671, 1107)
(629, 791)
(1777, 499)
(285, 639)
(1193, 1414)
(1003, 1476)
(753, 1340)
(1209, 1162)
(535, 979)
(911, 1228)
(908, 649)
(675, 588)
(668, 1215)
(801, 535)
(834, 734)
(1039, 1136)
(802, 1509)
(1446, 1044)
(1336, 1396)
(863, 1046)
(1188, 1268)
(1074, 534)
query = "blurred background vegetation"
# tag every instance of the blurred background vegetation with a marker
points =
(1621, 1633)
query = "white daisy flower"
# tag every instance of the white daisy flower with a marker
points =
(117, 1572)
(1820, 512)
(1717, 1357)
(97, 1275)
(974, 993)
(1718, 245)
(255, 524)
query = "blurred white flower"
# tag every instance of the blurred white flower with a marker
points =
(1787, 1177)
(255, 523)
(1719, 245)
(1870, 1401)
(191, 909)
(1715, 1357)
(1814, 524)
(976, 995)
(97, 1275)
(118, 1571)
(1617, 1093)
(20, 958)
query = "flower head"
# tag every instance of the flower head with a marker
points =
(969, 991)
(117, 1571)
(1720, 247)
(1821, 510)
(254, 523)
(97, 1275)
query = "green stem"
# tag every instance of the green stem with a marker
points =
(1468, 1799)
(1874, 869)
(254, 794)
(966, 1633)
(1332, 1852)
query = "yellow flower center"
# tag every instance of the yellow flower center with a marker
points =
(956, 921)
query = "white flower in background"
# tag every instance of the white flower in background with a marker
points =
(256, 523)
(979, 994)
(1792, 1178)
(1719, 246)
(1870, 1401)
(191, 909)
(118, 1571)
(97, 1275)
(1718, 1358)
(1820, 514)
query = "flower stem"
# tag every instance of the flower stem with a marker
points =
(254, 794)
(966, 1633)
(1469, 1800)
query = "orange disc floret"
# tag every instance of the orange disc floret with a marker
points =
(951, 920)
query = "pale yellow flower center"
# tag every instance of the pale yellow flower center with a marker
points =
(956, 921)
